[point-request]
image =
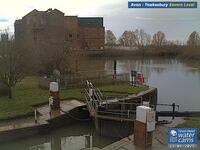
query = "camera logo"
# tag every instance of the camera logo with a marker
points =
(173, 133)
(182, 137)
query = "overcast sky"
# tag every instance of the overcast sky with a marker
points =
(176, 23)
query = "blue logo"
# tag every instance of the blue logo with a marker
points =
(162, 4)
(182, 137)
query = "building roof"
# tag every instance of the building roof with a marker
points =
(19, 21)
(90, 21)
(50, 10)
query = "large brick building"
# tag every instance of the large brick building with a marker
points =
(44, 35)
(53, 27)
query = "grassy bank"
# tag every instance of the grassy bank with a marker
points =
(175, 51)
(192, 122)
(190, 53)
(27, 93)
(165, 51)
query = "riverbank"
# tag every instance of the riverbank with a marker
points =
(179, 52)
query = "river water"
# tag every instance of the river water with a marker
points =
(176, 82)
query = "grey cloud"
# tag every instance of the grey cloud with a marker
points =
(143, 18)
(176, 23)
(166, 19)
(4, 20)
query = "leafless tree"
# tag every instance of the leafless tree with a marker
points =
(137, 38)
(53, 56)
(194, 39)
(141, 38)
(110, 37)
(123, 39)
(159, 39)
(126, 39)
(11, 63)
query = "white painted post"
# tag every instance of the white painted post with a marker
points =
(50, 105)
(91, 92)
(91, 142)
(50, 102)
(35, 114)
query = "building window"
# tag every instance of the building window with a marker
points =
(78, 36)
(70, 35)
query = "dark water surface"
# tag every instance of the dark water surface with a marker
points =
(73, 137)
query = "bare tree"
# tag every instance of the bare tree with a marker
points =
(52, 57)
(194, 39)
(126, 39)
(141, 38)
(110, 37)
(137, 38)
(159, 39)
(11, 63)
(123, 39)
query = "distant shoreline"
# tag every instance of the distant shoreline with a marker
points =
(178, 52)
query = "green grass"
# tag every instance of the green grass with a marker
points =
(192, 122)
(122, 88)
(75, 93)
(27, 93)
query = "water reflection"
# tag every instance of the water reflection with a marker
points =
(175, 81)
(84, 63)
(75, 137)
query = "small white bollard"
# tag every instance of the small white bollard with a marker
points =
(91, 142)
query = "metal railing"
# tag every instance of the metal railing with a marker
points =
(173, 105)
(108, 109)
